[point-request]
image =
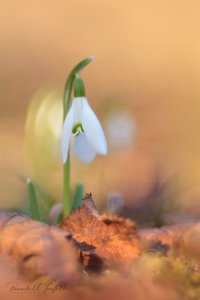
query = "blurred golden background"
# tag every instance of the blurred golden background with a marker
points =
(145, 79)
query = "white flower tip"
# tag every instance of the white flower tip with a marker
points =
(64, 149)
(64, 160)
(87, 161)
(103, 150)
(106, 151)
(63, 154)
(91, 58)
(28, 180)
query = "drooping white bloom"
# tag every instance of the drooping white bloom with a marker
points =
(82, 123)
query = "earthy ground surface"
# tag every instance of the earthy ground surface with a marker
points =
(90, 252)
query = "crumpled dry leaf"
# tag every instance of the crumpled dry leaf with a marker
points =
(103, 238)
(166, 235)
(27, 242)
(183, 238)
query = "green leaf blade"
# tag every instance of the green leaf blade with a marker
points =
(35, 211)
(78, 196)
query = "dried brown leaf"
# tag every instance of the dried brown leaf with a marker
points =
(111, 239)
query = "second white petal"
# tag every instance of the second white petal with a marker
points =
(83, 149)
(93, 129)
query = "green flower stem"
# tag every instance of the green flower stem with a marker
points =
(35, 211)
(66, 105)
(67, 196)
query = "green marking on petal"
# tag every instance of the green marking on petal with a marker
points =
(77, 129)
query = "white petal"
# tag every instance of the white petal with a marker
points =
(66, 134)
(83, 149)
(77, 104)
(93, 130)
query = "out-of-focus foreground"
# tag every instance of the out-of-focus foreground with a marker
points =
(144, 79)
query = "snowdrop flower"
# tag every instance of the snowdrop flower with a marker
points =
(82, 123)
